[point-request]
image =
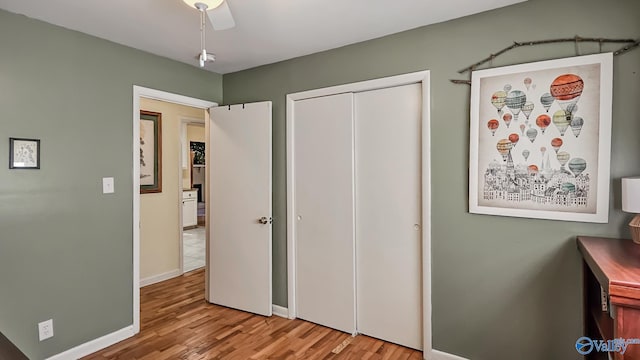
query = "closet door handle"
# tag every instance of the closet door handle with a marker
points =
(265, 220)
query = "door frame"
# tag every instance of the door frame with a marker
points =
(144, 92)
(422, 77)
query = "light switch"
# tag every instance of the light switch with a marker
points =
(107, 185)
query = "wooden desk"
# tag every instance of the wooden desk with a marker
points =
(612, 265)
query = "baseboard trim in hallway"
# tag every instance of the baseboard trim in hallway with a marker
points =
(160, 277)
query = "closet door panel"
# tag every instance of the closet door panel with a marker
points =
(324, 205)
(388, 214)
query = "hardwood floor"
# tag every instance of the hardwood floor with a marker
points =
(177, 323)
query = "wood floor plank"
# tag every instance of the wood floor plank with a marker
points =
(177, 323)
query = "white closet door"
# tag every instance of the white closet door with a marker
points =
(388, 214)
(324, 205)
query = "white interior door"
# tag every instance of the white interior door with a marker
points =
(239, 164)
(324, 211)
(388, 214)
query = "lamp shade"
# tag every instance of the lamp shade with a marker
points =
(631, 194)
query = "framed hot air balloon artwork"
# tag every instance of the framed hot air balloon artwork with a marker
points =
(540, 139)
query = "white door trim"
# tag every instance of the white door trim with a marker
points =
(422, 77)
(138, 92)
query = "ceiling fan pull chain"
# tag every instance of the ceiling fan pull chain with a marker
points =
(203, 53)
(203, 29)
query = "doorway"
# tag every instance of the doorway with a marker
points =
(360, 195)
(193, 168)
(147, 93)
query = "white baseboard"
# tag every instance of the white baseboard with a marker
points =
(95, 345)
(160, 277)
(280, 311)
(439, 355)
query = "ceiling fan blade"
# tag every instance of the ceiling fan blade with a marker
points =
(221, 18)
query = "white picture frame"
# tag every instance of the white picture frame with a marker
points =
(540, 139)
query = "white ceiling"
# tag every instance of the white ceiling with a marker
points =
(266, 31)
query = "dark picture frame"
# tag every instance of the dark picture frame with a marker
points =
(150, 152)
(197, 147)
(24, 153)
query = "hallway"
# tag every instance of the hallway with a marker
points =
(193, 248)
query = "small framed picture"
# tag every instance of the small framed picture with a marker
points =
(24, 153)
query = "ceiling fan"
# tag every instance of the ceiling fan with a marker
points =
(220, 17)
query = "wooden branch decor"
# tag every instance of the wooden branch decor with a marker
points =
(631, 44)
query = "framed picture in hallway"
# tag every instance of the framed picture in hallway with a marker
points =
(198, 152)
(540, 139)
(150, 152)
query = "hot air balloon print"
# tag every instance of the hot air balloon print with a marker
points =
(515, 101)
(504, 146)
(532, 169)
(566, 89)
(532, 134)
(563, 157)
(576, 125)
(507, 119)
(561, 121)
(493, 126)
(514, 138)
(522, 128)
(527, 82)
(527, 109)
(507, 88)
(577, 166)
(497, 100)
(542, 151)
(546, 100)
(572, 108)
(525, 154)
(568, 187)
(543, 122)
(556, 143)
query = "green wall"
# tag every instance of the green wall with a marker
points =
(503, 288)
(500, 285)
(66, 249)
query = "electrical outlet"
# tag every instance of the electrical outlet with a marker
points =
(45, 329)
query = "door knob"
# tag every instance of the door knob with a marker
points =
(265, 220)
